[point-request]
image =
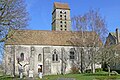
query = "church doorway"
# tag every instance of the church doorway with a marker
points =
(39, 68)
(40, 71)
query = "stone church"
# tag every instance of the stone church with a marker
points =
(52, 51)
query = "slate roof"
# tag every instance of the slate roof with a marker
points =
(38, 37)
(114, 35)
(58, 5)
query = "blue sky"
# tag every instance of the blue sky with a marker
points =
(40, 12)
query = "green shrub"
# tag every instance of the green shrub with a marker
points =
(88, 71)
(105, 69)
(98, 69)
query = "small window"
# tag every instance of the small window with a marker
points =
(72, 53)
(60, 21)
(60, 25)
(65, 16)
(65, 29)
(65, 26)
(22, 56)
(32, 48)
(65, 22)
(40, 57)
(55, 56)
(60, 11)
(60, 15)
(65, 12)
(61, 29)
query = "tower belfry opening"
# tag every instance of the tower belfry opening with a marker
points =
(61, 17)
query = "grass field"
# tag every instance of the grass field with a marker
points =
(87, 76)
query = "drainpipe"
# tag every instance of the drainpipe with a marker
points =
(117, 35)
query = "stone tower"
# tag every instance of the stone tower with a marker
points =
(61, 17)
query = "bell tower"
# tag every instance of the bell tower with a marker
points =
(61, 17)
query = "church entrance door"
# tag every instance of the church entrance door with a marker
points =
(39, 68)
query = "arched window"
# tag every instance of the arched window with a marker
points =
(55, 56)
(60, 11)
(72, 53)
(60, 21)
(22, 56)
(40, 57)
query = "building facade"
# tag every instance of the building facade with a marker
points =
(49, 52)
(113, 38)
(113, 42)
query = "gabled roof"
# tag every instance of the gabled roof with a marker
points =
(114, 35)
(38, 37)
(58, 5)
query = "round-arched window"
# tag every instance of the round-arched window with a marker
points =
(55, 56)
(40, 57)
(22, 56)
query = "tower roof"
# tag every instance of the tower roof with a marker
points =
(58, 5)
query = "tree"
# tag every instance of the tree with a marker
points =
(91, 33)
(13, 15)
(64, 59)
(110, 57)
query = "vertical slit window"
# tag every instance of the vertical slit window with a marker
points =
(40, 57)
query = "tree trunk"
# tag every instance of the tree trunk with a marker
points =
(93, 68)
(13, 52)
(108, 70)
(93, 63)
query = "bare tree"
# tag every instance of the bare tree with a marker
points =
(64, 59)
(91, 31)
(13, 15)
(110, 56)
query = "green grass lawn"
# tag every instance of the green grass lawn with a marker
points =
(87, 76)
